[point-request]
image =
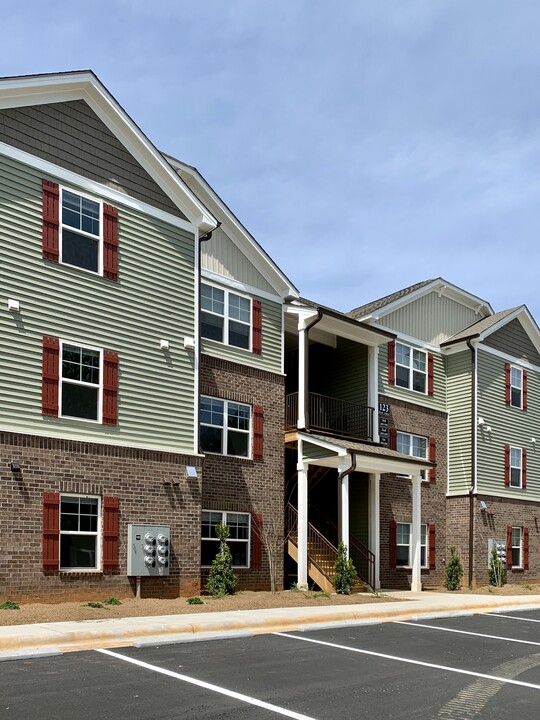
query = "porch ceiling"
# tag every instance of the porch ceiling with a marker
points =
(370, 458)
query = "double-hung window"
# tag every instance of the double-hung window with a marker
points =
(404, 545)
(517, 547)
(413, 445)
(516, 387)
(81, 231)
(225, 427)
(411, 368)
(516, 467)
(238, 540)
(225, 316)
(80, 382)
(79, 532)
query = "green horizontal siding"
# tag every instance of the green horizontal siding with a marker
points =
(458, 369)
(341, 372)
(315, 452)
(437, 401)
(153, 300)
(509, 426)
(270, 357)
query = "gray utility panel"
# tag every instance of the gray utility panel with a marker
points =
(149, 550)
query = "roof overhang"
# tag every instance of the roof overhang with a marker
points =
(84, 85)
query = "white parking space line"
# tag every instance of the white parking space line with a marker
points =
(466, 632)
(513, 617)
(444, 668)
(209, 686)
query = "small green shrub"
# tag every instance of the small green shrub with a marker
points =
(453, 570)
(222, 580)
(195, 601)
(344, 571)
(497, 571)
(93, 604)
(112, 601)
(9, 605)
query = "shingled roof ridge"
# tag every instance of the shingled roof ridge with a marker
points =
(387, 299)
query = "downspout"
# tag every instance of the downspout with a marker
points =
(349, 470)
(472, 489)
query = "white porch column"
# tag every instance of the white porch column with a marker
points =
(374, 516)
(302, 469)
(344, 504)
(416, 583)
(373, 388)
(302, 373)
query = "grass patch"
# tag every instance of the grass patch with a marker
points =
(9, 605)
(112, 601)
(93, 604)
(195, 601)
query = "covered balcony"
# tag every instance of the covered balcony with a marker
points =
(331, 415)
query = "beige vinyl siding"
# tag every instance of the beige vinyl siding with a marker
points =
(437, 401)
(340, 372)
(513, 340)
(221, 256)
(431, 318)
(272, 338)
(509, 426)
(458, 369)
(153, 300)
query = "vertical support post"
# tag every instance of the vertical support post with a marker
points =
(302, 469)
(416, 581)
(374, 515)
(302, 373)
(344, 504)
(373, 388)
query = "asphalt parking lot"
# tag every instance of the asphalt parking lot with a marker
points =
(481, 666)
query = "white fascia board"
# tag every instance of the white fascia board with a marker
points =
(408, 339)
(241, 237)
(526, 320)
(18, 92)
(447, 289)
(518, 362)
(241, 287)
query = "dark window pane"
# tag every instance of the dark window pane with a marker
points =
(422, 556)
(516, 557)
(238, 334)
(515, 477)
(239, 553)
(70, 370)
(79, 401)
(402, 555)
(419, 382)
(69, 522)
(78, 551)
(211, 439)
(71, 353)
(237, 443)
(209, 550)
(402, 376)
(69, 505)
(80, 251)
(212, 327)
(515, 397)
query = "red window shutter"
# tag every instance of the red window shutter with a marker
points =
(392, 442)
(110, 387)
(256, 342)
(51, 532)
(432, 545)
(507, 383)
(393, 544)
(430, 373)
(509, 546)
(525, 548)
(110, 534)
(110, 242)
(256, 541)
(50, 242)
(524, 389)
(432, 457)
(392, 362)
(507, 465)
(258, 422)
(524, 468)
(50, 376)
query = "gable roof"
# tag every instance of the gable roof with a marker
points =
(241, 237)
(391, 302)
(84, 85)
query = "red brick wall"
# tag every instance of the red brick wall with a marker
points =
(136, 477)
(396, 501)
(242, 485)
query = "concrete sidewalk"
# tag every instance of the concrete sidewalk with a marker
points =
(17, 641)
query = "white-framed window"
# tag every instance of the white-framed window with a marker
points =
(404, 545)
(239, 525)
(516, 387)
(79, 532)
(517, 547)
(81, 231)
(225, 316)
(225, 427)
(411, 368)
(80, 393)
(516, 467)
(413, 445)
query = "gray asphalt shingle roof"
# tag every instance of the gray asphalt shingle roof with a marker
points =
(371, 307)
(479, 327)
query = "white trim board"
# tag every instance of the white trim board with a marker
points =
(241, 287)
(509, 358)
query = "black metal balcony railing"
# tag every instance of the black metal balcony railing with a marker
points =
(331, 415)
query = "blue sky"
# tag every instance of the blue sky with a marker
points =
(366, 145)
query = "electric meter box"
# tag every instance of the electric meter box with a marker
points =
(149, 550)
(500, 549)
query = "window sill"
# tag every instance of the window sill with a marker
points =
(80, 571)
(227, 345)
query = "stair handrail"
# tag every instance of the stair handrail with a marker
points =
(316, 541)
